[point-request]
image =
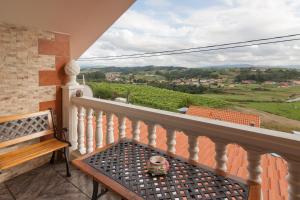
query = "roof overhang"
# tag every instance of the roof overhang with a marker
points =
(85, 21)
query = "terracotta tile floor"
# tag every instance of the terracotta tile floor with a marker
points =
(48, 183)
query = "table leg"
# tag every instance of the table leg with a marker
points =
(95, 195)
(95, 190)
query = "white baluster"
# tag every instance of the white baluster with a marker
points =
(193, 147)
(81, 142)
(110, 128)
(221, 157)
(122, 127)
(254, 166)
(171, 140)
(136, 130)
(152, 134)
(90, 131)
(73, 133)
(293, 180)
(99, 129)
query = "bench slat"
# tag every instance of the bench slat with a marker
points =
(27, 153)
(25, 138)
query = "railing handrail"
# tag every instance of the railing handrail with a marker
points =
(258, 139)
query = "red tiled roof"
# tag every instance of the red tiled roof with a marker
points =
(274, 184)
(225, 115)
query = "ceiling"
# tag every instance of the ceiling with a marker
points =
(84, 20)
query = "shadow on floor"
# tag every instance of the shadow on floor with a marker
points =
(48, 182)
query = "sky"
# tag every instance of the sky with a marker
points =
(158, 25)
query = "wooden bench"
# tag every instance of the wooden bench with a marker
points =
(20, 128)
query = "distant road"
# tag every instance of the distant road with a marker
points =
(293, 100)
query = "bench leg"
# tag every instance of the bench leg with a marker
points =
(52, 157)
(67, 162)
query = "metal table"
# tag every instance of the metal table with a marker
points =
(121, 167)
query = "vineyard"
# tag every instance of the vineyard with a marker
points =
(153, 97)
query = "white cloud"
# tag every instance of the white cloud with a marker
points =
(141, 30)
(158, 3)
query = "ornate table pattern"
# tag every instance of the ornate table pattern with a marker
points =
(125, 163)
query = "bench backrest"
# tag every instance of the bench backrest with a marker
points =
(19, 128)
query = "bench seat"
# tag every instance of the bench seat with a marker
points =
(16, 129)
(27, 153)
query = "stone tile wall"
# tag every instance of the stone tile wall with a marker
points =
(20, 64)
(31, 73)
(31, 69)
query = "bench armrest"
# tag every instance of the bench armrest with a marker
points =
(63, 135)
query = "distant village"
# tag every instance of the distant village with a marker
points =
(218, 82)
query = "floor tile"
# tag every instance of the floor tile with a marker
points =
(4, 193)
(44, 183)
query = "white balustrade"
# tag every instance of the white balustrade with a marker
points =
(221, 157)
(90, 131)
(254, 166)
(110, 128)
(122, 126)
(193, 147)
(152, 134)
(250, 138)
(136, 129)
(81, 140)
(171, 140)
(294, 179)
(99, 129)
(73, 132)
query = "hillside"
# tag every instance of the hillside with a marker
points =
(253, 98)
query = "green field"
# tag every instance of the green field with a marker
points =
(266, 98)
(154, 97)
(288, 110)
(257, 93)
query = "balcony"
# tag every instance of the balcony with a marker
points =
(31, 81)
(94, 123)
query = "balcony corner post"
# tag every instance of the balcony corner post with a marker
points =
(70, 110)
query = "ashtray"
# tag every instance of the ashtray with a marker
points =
(158, 165)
